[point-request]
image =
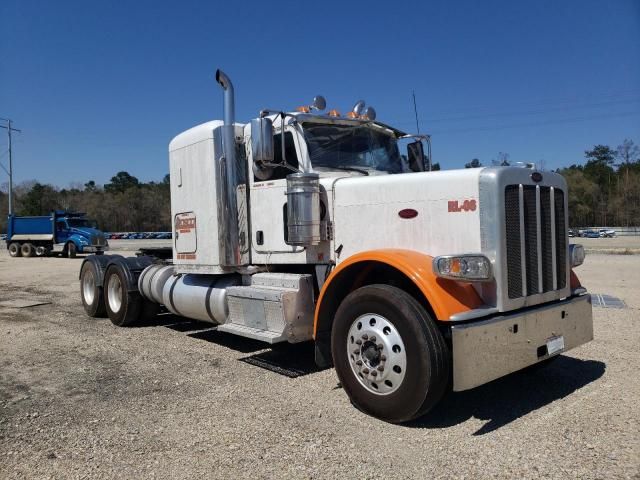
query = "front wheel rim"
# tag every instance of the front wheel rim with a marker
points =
(114, 293)
(376, 354)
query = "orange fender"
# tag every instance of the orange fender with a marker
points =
(446, 297)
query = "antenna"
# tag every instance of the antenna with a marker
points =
(415, 110)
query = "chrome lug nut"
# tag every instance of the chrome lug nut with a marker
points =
(365, 370)
(380, 346)
(374, 373)
(383, 357)
(358, 342)
(380, 368)
(359, 363)
(365, 337)
(373, 338)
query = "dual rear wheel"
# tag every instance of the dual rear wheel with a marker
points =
(114, 299)
(123, 307)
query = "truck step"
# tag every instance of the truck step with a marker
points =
(276, 307)
(255, 333)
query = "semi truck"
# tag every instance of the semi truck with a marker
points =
(308, 226)
(68, 233)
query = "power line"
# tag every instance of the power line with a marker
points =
(458, 117)
(621, 95)
(536, 124)
(534, 112)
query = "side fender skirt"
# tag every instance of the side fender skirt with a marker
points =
(131, 266)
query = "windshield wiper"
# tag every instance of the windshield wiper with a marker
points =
(350, 169)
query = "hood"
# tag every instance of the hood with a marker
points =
(87, 231)
(445, 217)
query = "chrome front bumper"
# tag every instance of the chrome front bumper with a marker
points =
(490, 349)
(94, 248)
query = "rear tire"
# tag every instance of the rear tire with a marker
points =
(14, 249)
(42, 251)
(91, 294)
(123, 307)
(409, 356)
(27, 250)
(71, 250)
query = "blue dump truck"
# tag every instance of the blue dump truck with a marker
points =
(68, 233)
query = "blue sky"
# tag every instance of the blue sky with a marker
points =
(99, 87)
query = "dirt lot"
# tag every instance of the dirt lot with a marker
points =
(621, 245)
(80, 398)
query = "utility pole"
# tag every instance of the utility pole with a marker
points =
(10, 129)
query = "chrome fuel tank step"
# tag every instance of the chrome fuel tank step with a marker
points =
(276, 307)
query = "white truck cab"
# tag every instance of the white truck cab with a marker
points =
(409, 282)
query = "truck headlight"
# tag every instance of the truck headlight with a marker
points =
(467, 267)
(576, 254)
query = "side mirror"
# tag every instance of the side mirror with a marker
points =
(415, 151)
(262, 140)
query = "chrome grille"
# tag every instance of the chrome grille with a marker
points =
(535, 233)
(98, 240)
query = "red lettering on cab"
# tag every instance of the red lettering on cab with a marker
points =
(462, 205)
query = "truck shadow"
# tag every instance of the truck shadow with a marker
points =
(227, 340)
(207, 332)
(290, 360)
(507, 399)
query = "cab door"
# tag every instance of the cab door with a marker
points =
(268, 200)
(62, 231)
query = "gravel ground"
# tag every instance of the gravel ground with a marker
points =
(80, 398)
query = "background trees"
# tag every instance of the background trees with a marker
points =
(124, 204)
(605, 191)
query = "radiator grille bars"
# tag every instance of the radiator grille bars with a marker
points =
(535, 232)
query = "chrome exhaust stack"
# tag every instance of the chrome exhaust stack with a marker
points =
(230, 178)
(229, 98)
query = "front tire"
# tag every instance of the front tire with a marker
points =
(14, 249)
(123, 307)
(71, 250)
(91, 294)
(388, 353)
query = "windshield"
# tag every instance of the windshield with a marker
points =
(344, 146)
(81, 223)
